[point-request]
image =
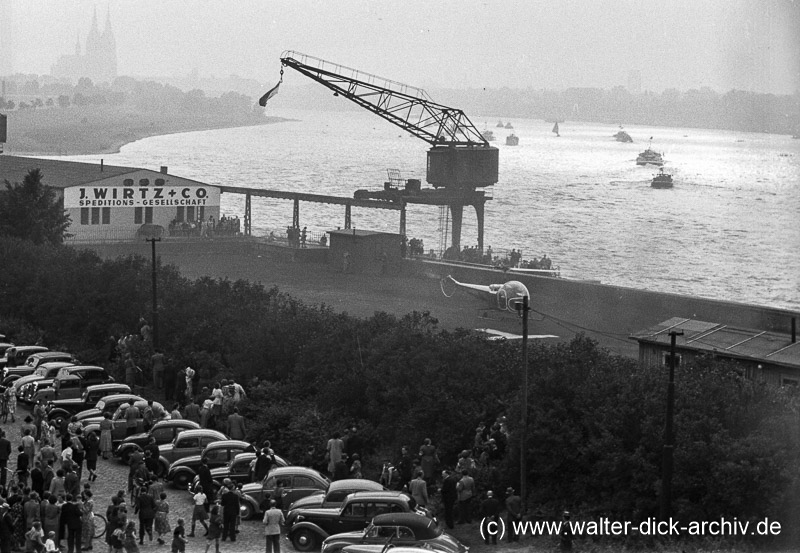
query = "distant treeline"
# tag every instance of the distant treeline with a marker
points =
(735, 110)
(144, 95)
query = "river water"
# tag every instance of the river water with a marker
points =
(729, 229)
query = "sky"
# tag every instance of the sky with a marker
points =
(751, 45)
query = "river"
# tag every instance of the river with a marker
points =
(729, 229)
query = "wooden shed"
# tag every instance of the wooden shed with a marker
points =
(364, 251)
(767, 356)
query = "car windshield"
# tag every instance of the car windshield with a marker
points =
(41, 371)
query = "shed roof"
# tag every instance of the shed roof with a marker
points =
(742, 343)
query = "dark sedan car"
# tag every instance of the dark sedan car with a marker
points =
(403, 529)
(218, 454)
(336, 493)
(163, 431)
(295, 483)
(94, 400)
(307, 528)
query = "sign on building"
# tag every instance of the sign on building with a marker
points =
(150, 196)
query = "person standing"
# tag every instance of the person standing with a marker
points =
(205, 479)
(418, 489)
(236, 429)
(230, 502)
(51, 514)
(490, 510)
(146, 508)
(199, 512)
(334, 451)
(214, 529)
(466, 490)
(106, 444)
(428, 460)
(131, 419)
(514, 507)
(5, 454)
(23, 462)
(11, 404)
(179, 537)
(192, 411)
(87, 519)
(162, 517)
(71, 519)
(90, 455)
(449, 497)
(273, 519)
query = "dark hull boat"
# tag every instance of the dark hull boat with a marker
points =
(662, 180)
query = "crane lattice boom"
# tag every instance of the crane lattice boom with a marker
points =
(408, 107)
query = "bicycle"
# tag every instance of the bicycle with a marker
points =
(100, 524)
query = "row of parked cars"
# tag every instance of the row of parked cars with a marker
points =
(346, 516)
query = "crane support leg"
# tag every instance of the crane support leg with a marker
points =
(347, 216)
(403, 220)
(296, 214)
(479, 213)
(457, 212)
(248, 216)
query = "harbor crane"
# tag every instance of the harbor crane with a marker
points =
(460, 161)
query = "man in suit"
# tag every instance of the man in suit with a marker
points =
(236, 429)
(71, 518)
(230, 502)
(449, 497)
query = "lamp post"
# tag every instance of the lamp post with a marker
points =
(524, 309)
(669, 438)
(155, 293)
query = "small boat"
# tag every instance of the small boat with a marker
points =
(650, 157)
(555, 129)
(622, 136)
(662, 180)
(509, 125)
(488, 136)
(512, 140)
(499, 125)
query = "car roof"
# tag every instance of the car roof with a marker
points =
(380, 494)
(360, 483)
(228, 443)
(110, 386)
(424, 527)
(36, 349)
(186, 423)
(46, 354)
(246, 455)
(203, 432)
(305, 471)
(55, 365)
(93, 367)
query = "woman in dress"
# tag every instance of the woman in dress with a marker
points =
(90, 455)
(105, 435)
(130, 538)
(11, 404)
(162, 517)
(87, 519)
(428, 461)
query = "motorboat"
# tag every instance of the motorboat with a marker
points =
(650, 157)
(509, 125)
(512, 140)
(662, 179)
(488, 136)
(623, 136)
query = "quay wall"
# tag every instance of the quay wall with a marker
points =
(562, 307)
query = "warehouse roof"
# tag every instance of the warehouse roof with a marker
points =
(741, 343)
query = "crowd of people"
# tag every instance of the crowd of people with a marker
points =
(208, 228)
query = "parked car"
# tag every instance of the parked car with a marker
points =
(16, 356)
(119, 430)
(403, 529)
(307, 528)
(334, 496)
(70, 383)
(108, 402)
(164, 432)
(218, 454)
(4, 346)
(43, 371)
(92, 395)
(237, 470)
(296, 482)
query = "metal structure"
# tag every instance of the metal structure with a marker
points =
(459, 161)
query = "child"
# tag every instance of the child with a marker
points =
(50, 544)
(214, 528)
(116, 540)
(179, 537)
(130, 538)
(199, 512)
(355, 468)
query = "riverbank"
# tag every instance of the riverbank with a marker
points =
(105, 129)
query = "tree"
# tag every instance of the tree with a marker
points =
(32, 211)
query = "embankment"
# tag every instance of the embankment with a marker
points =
(562, 307)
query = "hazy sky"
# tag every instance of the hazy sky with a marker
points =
(724, 44)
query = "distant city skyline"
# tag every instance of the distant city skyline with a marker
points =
(721, 44)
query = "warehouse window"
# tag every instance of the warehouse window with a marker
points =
(127, 182)
(159, 182)
(84, 215)
(137, 215)
(190, 213)
(179, 214)
(95, 215)
(106, 215)
(148, 215)
(144, 182)
(677, 359)
(201, 213)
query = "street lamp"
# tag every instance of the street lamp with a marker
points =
(153, 241)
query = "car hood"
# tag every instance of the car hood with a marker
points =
(185, 462)
(351, 537)
(219, 472)
(91, 420)
(314, 514)
(68, 402)
(136, 438)
(252, 487)
(88, 413)
(20, 382)
(310, 501)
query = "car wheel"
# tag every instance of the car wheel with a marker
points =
(181, 480)
(246, 511)
(304, 540)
